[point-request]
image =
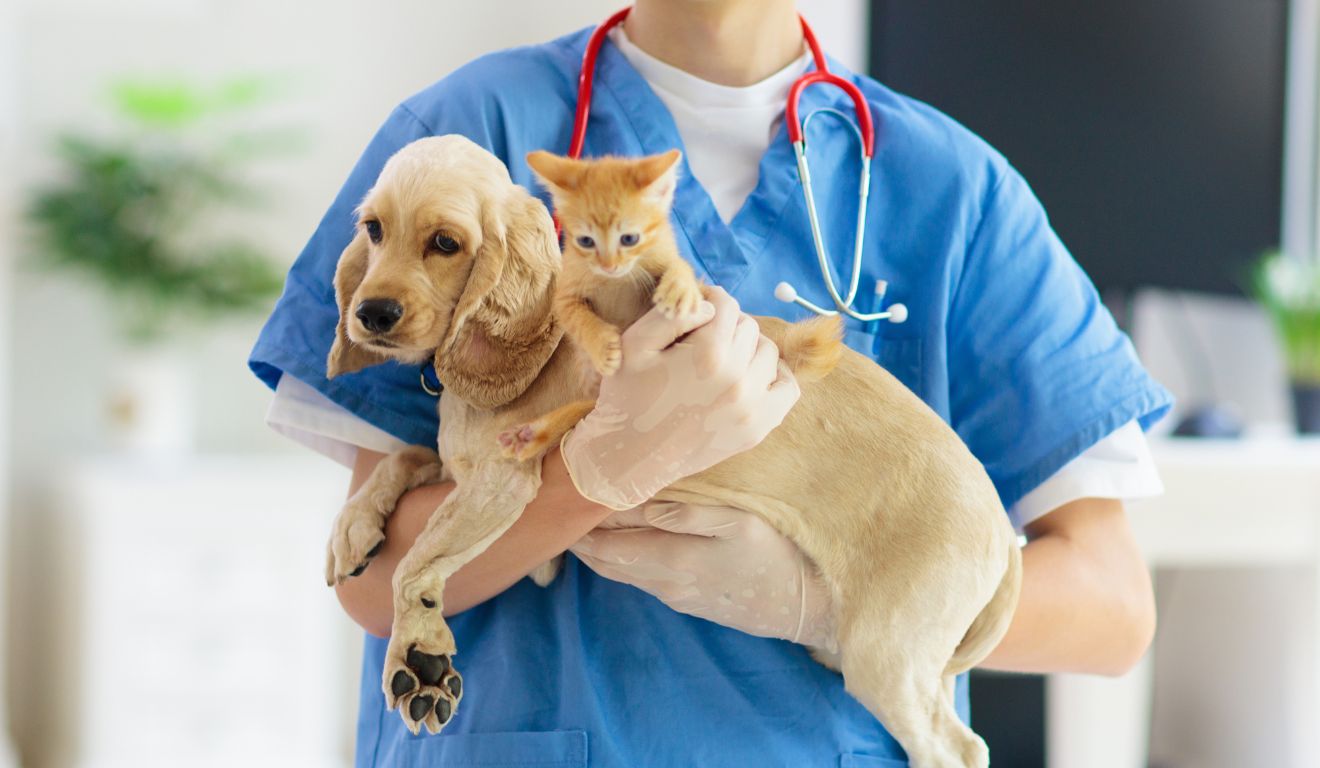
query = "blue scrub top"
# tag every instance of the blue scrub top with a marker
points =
(1006, 340)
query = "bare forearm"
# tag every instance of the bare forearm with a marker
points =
(1087, 604)
(556, 519)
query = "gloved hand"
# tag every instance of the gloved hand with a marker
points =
(717, 563)
(675, 408)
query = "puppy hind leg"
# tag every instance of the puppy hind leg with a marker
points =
(893, 657)
(914, 706)
(974, 750)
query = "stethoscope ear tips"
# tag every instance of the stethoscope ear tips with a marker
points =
(897, 313)
(786, 293)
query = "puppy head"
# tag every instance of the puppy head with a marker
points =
(451, 262)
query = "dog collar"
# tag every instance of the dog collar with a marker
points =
(430, 381)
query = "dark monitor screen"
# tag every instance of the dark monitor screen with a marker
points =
(1152, 130)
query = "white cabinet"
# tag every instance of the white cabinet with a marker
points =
(201, 631)
(1252, 506)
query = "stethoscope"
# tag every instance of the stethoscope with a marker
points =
(797, 134)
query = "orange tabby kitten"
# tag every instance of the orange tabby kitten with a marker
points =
(618, 247)
(620, 257)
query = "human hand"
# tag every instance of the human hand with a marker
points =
(679, 404)
(717, 563)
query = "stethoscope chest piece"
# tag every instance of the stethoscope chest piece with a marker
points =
(895, 313)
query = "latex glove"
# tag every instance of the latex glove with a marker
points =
(717, 563)
(675, 408)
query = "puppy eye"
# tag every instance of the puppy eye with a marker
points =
(585, 242)
(630, 239)
(444, 243)
(373, 230)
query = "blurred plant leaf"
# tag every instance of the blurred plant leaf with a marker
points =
(1289, 291)
(167, 104)
(128, 211)
(172, 103)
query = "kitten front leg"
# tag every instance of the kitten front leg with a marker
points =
(599, 339)
(679, 290)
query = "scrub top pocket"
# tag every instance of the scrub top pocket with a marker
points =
(900, 356)
(545, 749)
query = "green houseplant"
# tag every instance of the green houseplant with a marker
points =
(154, 211)
(1289, 290)
(134, 210)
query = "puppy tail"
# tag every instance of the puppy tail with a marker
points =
(992, 622)
(812, 348)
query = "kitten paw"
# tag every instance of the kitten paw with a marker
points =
(607, 353)
(677, 297)
(526, 441)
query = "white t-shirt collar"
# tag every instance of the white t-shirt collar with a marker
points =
(703, 93)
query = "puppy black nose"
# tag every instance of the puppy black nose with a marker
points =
(379, 315)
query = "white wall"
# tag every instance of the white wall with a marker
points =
(841, 26)
(1301, 193)
(8, 126)
(349, 62)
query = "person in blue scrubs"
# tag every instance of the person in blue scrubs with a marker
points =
(1006, 340)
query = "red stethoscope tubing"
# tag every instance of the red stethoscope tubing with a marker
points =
(865, 130)
(587, 75)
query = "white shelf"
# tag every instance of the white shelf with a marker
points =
(1249, 502)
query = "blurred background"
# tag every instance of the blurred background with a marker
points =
(162, 548)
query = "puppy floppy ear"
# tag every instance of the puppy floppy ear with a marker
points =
(487, 267)
(555, 172)
(502, 330)
(657, 175)
(345, 356)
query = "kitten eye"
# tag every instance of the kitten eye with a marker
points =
(444, 243)
(629, 240)
(585, 242)
(373, 230)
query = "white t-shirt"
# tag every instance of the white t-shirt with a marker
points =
(725, 131)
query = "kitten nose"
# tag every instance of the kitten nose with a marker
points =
(379, 315)
(612, 266)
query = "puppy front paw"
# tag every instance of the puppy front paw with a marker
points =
(419, 678)
(357, 537)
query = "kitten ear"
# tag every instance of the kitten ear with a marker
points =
(555, 172)
(656, 175)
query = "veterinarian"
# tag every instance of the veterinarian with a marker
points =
(677, 640)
